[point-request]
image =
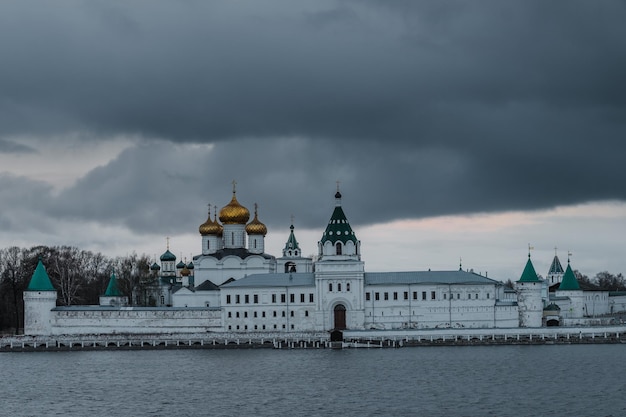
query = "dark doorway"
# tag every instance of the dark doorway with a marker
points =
(340, 317)
(336, 336)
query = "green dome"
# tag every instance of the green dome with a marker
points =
(168, 256)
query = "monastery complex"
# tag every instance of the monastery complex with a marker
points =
(233, 286)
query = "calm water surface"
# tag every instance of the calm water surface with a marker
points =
(432, 381)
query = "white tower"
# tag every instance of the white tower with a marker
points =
(292, 259)
(339, 275)
(529, 302)
(39, 299)
(569, 288)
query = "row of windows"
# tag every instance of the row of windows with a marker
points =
(256, 327)
(330, 287)
(425, 296)
(255, 314)
(255, 298)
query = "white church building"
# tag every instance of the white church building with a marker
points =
(234, 286)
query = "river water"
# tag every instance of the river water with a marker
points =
(560, 380)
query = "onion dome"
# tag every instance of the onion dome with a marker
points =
(180, 265)
(168, 256)
(190, 265)
(155, 267)
(185, 272)
(233, 212)
(255, 227)
(210, 227)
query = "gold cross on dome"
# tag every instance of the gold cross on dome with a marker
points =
(234, 186)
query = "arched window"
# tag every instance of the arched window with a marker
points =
(348, 286)
(330, 286)
(339, 287)
(338, 248)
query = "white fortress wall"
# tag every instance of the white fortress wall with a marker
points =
(96, 320)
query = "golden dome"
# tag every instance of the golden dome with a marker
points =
(255, 227)
(185, 272)
(234, 213)
(210, 227)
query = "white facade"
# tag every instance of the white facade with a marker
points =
(233, 288)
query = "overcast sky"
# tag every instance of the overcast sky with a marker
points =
(456, 129)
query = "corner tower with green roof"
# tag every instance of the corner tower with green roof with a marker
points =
(40, 298)
(571, 289)
(529, 301)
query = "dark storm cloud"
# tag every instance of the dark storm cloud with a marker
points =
(420, 108)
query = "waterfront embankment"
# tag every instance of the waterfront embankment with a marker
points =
(320, 340)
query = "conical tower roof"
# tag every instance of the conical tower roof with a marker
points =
(112, 289)
(338, 228)
(555, 267)
(529, 274)
(569, 281)
(292, 243)
(40, 281)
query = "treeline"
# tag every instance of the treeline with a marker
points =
(79, 276)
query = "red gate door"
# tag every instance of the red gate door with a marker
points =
(340, 316)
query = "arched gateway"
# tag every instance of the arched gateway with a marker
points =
(340, 317)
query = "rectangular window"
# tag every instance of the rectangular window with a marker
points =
(255, 314)
(230, 315)
(311, 298)
(458, 296)
(273, 298)
(263, 314)
(292, 298)
(274, 313)
(339, 287)
(330, 287)
(395, 295)
(284, 315)
(228, 299)
(377, 296)
(247, 299)
(237, 314)
(306, 313)
(406, 295)
(256, 298)
(283, 298)
(433, 295)
(445, 296)
(237, 299)
(415, 295)
(291, 313)
(469, 296)
(245, 314)
(302, 298)
(476, 297)
(367, 296)
(423, 295)
(386, 296)
(487, 295)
